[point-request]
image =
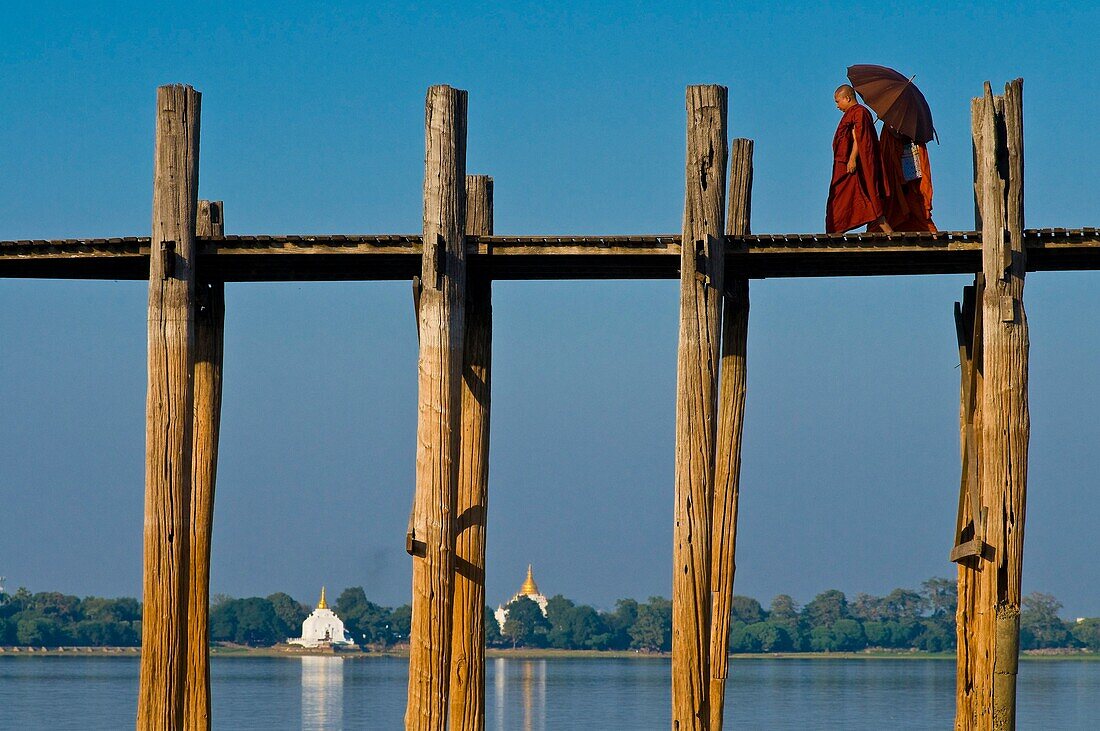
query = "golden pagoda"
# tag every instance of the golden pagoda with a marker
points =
(322, 604)
(529, 588)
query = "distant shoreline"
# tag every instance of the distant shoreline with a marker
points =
(533, 653)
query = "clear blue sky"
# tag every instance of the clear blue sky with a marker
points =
(312, 122)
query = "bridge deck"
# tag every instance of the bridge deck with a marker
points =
(382, 257)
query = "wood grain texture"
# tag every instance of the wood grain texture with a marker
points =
(209, 349)
(731, 419)
(442, 306)
(467, 711)
(987, 693)
(971, 657)
(169, 409)
(701, 280)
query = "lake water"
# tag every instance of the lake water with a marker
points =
(585, 693)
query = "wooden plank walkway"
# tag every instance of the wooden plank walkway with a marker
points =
(388, 257)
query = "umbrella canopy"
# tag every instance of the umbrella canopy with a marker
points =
(896, 100)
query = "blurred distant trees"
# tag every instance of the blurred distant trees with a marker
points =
(830, 622)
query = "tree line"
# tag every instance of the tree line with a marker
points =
(921, 619)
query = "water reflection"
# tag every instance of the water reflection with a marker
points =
(322, 693)
(520, 694)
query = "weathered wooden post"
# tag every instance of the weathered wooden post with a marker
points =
(701, 281)
(468, 634)
(169, 409)
(442, 306)
(989, 588)
(209, 338)
(731, 417)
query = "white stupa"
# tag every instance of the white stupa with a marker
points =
(530, 590)
(322, 628)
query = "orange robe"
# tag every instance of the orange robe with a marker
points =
(854, 198)
(909, 205)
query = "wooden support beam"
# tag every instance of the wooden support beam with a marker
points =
(441, 316)
(209, 339)
(989, 594)
(701, 284)
(969, 521)
(731, 419)
(468, 623)
(169, 409)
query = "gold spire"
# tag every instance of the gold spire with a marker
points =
(322, 604)
(529, 588)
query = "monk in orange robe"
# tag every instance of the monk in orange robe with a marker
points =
(856, 191)
(909, 204)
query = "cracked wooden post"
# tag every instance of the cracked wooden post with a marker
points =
(701, 275)
(986, 693)
(468, 634)
(209, 329)
(169, 409)
(442, 304)
(731, 415)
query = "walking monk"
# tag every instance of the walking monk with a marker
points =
(908, 177)
(856, 191)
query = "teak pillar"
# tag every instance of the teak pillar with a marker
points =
(731, 417)
(468, 633)
(169, 409)
(209, 324)
(701, 274)
(442, 304)
(989, 586)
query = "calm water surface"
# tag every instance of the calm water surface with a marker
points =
(586, 693)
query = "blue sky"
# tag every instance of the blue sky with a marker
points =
(313, 122)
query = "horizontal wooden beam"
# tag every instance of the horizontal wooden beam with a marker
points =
(388, 257)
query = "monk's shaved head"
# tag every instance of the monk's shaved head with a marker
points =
(846, 91)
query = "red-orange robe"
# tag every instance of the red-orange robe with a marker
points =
(854, 198)
(909, 205)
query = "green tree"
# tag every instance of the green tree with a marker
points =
(223, 621)
(401, 623)
(768, 637)
(933, 637)
(105, 633)
(901, 605)
(620, 622)
(62, 607)
(821, 639)
(110, 610)
(652, 630)
(941, 596)
(290, 612)
(493, 637)
(525, 624)
(784, 613)
(7, 631)
(1087, 633)
(826, 608)
(743, 641)
(746, 609)
(848, 636)
(365, 621)
(257, 623)
(1040, 625)
(39, 631)
(866, 608)
(559, 613)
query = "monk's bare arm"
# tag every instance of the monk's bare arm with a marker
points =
(854, 157)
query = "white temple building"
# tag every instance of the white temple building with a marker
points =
(530, 590)
(322, 628)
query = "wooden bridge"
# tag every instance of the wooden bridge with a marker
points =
(452, 263)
